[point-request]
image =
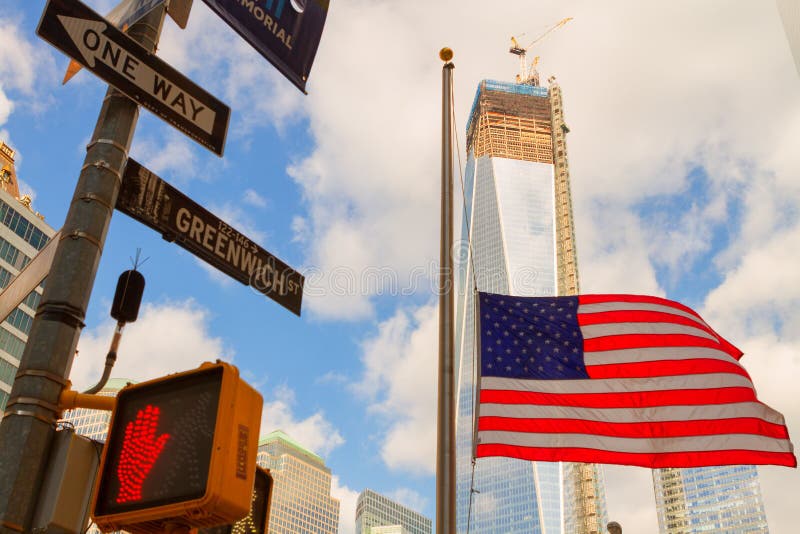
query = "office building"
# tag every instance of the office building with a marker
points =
(518, 219)
(23, 233)
(301, 498)
(723, 498)
(376, 514)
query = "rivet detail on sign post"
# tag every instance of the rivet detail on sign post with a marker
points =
(102, 164)
(90, 197)
(77, 234)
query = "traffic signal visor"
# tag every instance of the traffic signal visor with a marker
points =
(181, 450)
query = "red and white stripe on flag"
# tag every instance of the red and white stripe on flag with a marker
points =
(663, 390)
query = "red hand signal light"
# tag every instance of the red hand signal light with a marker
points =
(140, 450)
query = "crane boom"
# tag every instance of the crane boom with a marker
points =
(549, 30)
(528, 74)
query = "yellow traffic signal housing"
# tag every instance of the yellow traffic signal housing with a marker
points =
(181, 451)
(257, 521)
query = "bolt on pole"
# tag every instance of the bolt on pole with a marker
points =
(27, 429)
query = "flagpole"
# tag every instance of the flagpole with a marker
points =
(446, 427)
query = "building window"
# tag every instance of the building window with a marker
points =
(5, 277)
(11, 343)
(22, 227)
(7, 372)
(32, 300)
(20, 320)
(12, 255)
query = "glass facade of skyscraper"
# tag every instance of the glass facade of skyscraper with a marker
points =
(709, 499)
(513, 226)
(301, 495)
(377, 514)
(512, 495)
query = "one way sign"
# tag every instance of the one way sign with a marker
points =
(88, 38)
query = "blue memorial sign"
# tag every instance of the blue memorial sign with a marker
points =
(286, 32)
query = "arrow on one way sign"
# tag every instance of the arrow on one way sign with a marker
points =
(94, 46)
(129, 12)
(88, 38)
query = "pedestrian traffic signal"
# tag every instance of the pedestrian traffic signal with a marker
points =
(181, 450)
(257, 520)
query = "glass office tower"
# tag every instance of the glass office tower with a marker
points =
(724, 498)
(518, 219)
(23, 233)
(301, 492)
(377, 514)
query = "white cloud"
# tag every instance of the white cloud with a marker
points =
(774, 364)
(315, 432)
(172, 157)
(757, 307)
(23, 62)
(613, 252)
(254, 199)
(347, 505)
(765, 284)
(6, 106)
(644, 108)
(166, 338)
(26, 63)
(399, 381)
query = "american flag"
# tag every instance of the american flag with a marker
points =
(617, 379)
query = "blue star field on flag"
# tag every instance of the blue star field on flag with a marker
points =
(532, 338)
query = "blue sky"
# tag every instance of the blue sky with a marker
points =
(684, 124)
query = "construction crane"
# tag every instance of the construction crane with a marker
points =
(528, 74)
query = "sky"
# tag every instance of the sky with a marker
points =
(684, 120)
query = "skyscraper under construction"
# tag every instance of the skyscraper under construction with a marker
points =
(518, 219)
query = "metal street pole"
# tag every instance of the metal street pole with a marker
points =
(27, 429)
(446, 426)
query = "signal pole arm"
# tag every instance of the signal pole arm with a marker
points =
(27, 429)
(70, 399)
